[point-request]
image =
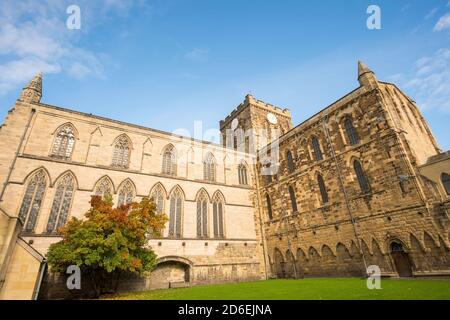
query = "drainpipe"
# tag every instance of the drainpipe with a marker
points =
(37, 288)
(262, 232)
(341, 182)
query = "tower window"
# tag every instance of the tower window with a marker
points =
(290, 162)
(363, 184)
(269, 207)
(316, 147)
(445, 178)
(293, 199)
(323, 189)
(352, 135)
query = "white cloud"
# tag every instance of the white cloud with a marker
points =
(429, 82)
(443, 23)
(431, 13)
(34, 37)
(197, 54)
(18, 72)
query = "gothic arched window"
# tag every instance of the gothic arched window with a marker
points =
(218, 216)
(157, 197)
(209, 168)
(121, 155)
(61, 203)
(290, 162)
(32, 200)
(445, 178)
(323, 189)
(126, 194)
(202, 215)
(352, 135)
(64, 142)
(242, 173)
(316, 147)
(363, 184)
(169, 163)
(176, 207)
(269, 207)
(104, 187)
(293, 199)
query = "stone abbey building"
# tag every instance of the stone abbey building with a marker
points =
(363, 182)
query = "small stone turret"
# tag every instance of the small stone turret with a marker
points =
(32, 93)
(366, 77)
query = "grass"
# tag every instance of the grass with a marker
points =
(309, 289)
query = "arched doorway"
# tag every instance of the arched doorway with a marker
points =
(401, 260)
(171, 272)
(279, 264)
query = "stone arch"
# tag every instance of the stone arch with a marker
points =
(171, 272)
(417, 253)
(314, 262)
(444, 250)
(63, 175)
(400, 257)
(33, 172)
(74, 129)
(302, 262)
(278, 261)
(202, 192)
(126, 192)
(159, 186)
(125, 137)
(290, 267)
(328, 261)
(434, 255)
(179, 188)
(109, 180)
(429, 240)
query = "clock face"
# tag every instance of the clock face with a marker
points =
(234, 124)
(272, 118)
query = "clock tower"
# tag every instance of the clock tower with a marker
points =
(254, 124)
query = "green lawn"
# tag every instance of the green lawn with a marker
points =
(309, 289)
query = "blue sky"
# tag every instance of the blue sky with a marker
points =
(165, 64)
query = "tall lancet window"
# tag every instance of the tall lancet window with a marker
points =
(121, 155)
(61, 203)
(202, 215)
(169, 163)
(64, 142)
(209, 168)
(104, 187)
(352, 135)
(316, 147)
(290, 162)
(176, 207)
(218, 216)
(242, 174)
(157, 196)
(323, 189)
(126, 194)
(445, 178)
(363, 183)
(32, 200)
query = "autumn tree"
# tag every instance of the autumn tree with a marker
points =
(110, 241)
